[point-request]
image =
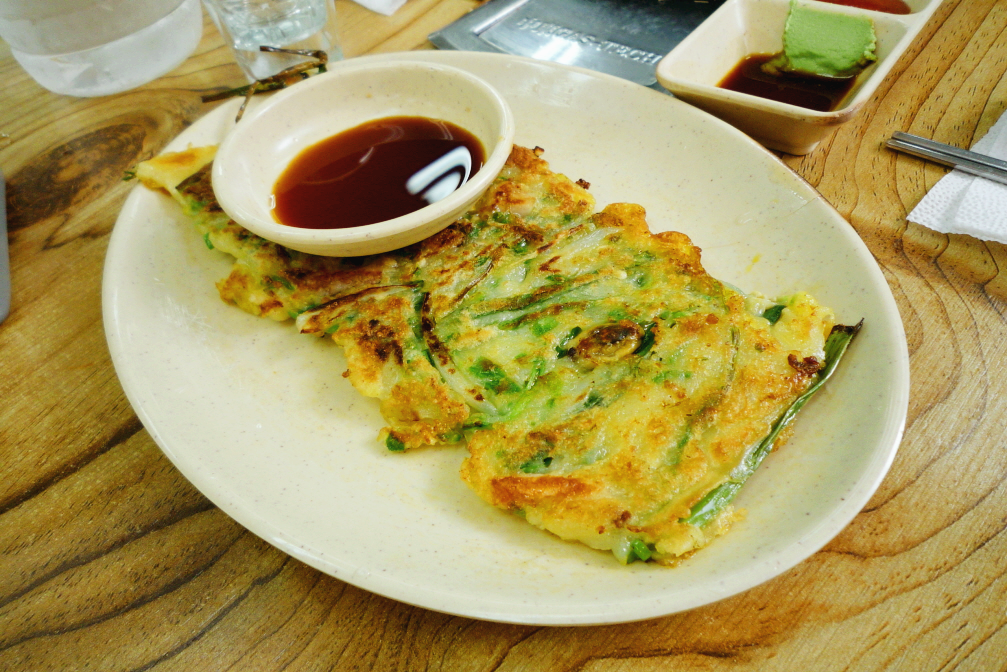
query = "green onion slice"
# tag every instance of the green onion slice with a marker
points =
(715, 501)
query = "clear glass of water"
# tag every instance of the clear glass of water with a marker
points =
(287, 24)
(99, 47)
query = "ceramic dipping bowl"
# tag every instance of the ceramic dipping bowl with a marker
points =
(269, 137)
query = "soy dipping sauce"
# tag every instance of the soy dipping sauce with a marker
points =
(362, 176)
(822, 94)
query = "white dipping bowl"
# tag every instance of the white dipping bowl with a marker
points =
(269, 137)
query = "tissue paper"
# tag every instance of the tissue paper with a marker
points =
(962, 203)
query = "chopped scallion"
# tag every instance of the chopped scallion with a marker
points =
(773, 313)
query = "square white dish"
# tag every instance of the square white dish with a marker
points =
(693, 70)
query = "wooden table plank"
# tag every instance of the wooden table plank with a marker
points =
(110, 559)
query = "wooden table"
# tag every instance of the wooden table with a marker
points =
(111, 560)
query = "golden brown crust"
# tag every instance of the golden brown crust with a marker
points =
(515, 492)
(167, 171)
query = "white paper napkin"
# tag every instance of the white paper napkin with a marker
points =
(962, 203)
(386, 7)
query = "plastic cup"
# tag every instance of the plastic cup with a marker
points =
(99, 47)
(287, 24)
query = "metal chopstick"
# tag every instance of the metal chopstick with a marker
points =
(970, 162)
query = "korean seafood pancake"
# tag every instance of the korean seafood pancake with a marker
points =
(607, 388)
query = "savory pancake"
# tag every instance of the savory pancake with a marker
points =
(608, 389)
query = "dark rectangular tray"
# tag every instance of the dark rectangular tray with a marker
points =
(625, 38)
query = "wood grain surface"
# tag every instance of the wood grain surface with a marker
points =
(111, 560)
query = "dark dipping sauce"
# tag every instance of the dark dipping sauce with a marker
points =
(359, 176)
(822, 94)
(887, 6)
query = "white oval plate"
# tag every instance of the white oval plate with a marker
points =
(260, 419)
